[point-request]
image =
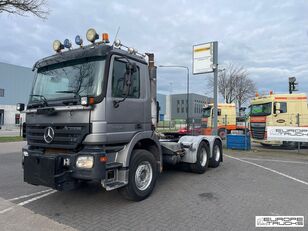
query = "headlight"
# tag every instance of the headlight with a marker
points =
(85, 162)
(25, 153)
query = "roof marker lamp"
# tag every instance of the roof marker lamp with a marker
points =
(57, 46)
(67, 44)
(92, 35)
(78, 40)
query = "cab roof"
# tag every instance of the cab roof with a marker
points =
(92, 50)
(279, 97)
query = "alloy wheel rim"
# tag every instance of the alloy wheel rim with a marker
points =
(144, 175)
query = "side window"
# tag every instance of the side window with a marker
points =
(119, 69)
(283, 107)
(218, 112)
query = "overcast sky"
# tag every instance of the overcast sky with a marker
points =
(268, 38)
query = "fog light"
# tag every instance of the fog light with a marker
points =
(78, 40)
(57, 46)
(67, 44)
(92, 35)
(85, 162)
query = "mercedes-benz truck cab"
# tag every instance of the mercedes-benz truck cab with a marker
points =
(92, 115)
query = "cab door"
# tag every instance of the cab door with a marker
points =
(124, 113)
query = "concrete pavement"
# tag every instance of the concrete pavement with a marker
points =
(246, 185)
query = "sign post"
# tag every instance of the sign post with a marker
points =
(205, 60)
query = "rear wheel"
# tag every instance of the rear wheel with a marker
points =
(142, 176)
(290, 144)
(203, 155)
(266, 145)
(217, 155)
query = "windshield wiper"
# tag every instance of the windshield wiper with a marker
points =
(72, 101)
(43, 98)
(66, 92)
(69, 92)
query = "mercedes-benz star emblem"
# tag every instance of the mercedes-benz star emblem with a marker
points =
(49, 135)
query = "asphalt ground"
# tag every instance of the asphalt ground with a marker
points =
(247, 184)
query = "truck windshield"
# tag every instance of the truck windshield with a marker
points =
(261, 109)
(71, 79)
(206, 112)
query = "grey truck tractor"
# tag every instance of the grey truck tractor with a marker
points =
(92, 116)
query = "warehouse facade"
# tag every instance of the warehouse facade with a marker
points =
(15, 85)
(176, 106)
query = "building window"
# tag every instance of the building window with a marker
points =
(178, 102)
(182, 101)
(182, 109)
(1, 116)
(1, 92)
(283, 107)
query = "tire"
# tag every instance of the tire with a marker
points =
(142, 176)
(266, 145)
(203, 156)
(222, 133)
(217, 155)
(290, 144)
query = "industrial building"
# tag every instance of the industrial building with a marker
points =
(175, 106)
(15, 85)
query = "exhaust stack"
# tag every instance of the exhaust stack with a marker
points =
(153, 79)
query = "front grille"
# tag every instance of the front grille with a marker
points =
(65, 136)
(258, 132)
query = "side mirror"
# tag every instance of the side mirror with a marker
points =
(131, 68)
(20, 107)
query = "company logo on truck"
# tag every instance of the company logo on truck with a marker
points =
(49, 135)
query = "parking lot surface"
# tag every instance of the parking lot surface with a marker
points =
(247, 184)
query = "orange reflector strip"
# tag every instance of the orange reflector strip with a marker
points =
(290, 98)
(103, 159)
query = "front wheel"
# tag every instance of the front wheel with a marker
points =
(142, 176)
(203, 155)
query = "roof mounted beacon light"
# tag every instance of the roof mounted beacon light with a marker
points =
(105, 38)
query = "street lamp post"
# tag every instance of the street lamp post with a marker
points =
(187, 93)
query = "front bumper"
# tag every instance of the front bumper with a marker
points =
(58, 170)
